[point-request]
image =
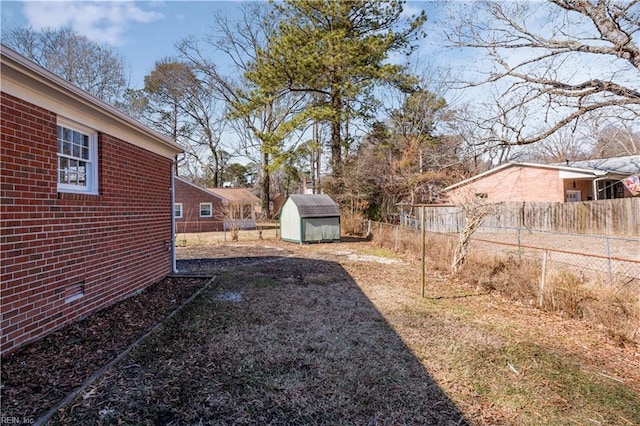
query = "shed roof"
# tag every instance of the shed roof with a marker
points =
(236, 195)
(315, 205)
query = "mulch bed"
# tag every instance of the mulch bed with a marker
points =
(38, 376)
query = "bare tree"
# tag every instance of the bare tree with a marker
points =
(261, 126)
(180, 104)
(563, 145)
(555, 63)
(95, 68)
(475, 212)
(614, 140)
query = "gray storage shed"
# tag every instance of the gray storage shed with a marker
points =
(307, 218)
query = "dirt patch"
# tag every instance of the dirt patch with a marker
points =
(311, 334)
(302, 345)
(41, 374)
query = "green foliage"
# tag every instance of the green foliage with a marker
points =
(334, 53)
(237, 175)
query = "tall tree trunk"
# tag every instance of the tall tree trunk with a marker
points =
(336, 132)
(216, 170)
(312, 156)
(266, 186)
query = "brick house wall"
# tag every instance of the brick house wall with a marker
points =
(114, 243)
(190, 196)
(514, 184)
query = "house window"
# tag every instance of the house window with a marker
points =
(574, 195)
(206, 210)
(77, 159)
(177, 210)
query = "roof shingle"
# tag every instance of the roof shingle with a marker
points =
(315, 205)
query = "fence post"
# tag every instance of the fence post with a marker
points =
(543, 279)
(519, 246)
(369, 228)
(608, 258)
(396, 245)
(423, 249)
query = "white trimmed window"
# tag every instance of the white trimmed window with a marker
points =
(177, 210)
(206, 210)
(77, 158)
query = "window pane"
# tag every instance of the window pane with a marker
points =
(82, 177)
(75, 150)
(205, 210)
(63, 166)
(77, 138)
(73, 172)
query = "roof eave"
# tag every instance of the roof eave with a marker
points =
(17, 62)
(595, 172)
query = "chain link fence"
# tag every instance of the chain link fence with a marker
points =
(606, 259)
(595, 278)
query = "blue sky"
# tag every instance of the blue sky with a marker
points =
(142, 31)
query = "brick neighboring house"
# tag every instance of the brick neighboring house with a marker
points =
(86, 203)
(534, 182)
(197, 209)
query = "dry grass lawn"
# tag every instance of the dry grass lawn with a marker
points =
(338, 334)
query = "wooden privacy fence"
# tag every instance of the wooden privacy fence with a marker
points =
(603, 217)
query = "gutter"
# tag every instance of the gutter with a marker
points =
(174, 269)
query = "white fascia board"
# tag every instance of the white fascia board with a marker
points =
(584, 174)
(30, 82)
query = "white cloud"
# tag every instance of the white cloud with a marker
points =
(101, 21)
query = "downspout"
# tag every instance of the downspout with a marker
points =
(174, 270)
(595, 187)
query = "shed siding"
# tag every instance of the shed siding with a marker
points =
(117, 242)
(290, 227)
